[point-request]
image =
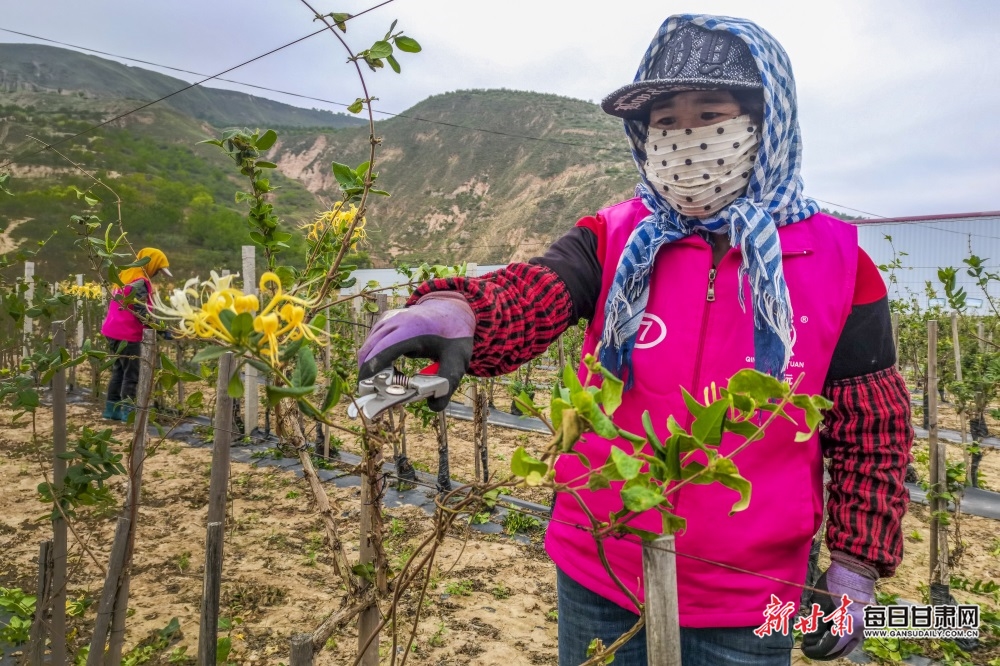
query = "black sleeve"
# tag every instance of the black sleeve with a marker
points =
(574, 259)
(865, 344)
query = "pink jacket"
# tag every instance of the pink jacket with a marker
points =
(120, 322)
(685, 340)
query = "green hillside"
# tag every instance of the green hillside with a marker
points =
(486, 196)
(175, 194)
(40, 68)
(479, 175)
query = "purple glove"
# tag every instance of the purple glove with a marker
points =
(850, 576)
(440, 326)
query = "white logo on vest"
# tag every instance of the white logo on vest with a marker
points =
(652, 331)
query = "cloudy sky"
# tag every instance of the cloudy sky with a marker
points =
(898, 98)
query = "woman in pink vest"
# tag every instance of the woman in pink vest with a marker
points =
(718, 263)
(123, 325)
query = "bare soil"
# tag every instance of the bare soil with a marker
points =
(490, 599)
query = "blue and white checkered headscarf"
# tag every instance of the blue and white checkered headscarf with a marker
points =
(773, 199)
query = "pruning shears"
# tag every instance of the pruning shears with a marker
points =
(389, 388)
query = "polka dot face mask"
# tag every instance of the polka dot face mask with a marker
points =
(701, 171)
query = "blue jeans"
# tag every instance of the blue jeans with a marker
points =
(584, 615)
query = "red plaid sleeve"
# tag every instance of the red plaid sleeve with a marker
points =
(867, 436)
(520, 310)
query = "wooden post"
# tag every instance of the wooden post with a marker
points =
(29, 324)
(179, 362)
(137, 457)
(482, 435)
(958, 376)
(78, 317)
(59, 539)
(444, 474)
(938, 466)
(222, 441)
(212, 586)
(982, 336)
(251, 399)
(369, 619)
(477, 424)
(208, 636)
(663, 632)
(895, 336)
(326, 370)
(562, 356)
(302, 650)
(42, 596)
(106, 606)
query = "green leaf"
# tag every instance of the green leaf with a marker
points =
(756, 385)
(647, 425)
(588, 409)
(209, 353)
(365, 571)
(407, 44)
(672, 524)
(645, 535)
(570, 430)
(627, 466)
(525, 466)
(570, 380)
(340, 20)
(235, 387)
(393, 63)
(266, 165)
(611, 392)
(276, 393)
(241, 326)
(223, 648)
(556, 408)
(745, 429)
(724, 471)
(639, 498)
(305, 368)
(380, 49)
(598, 481)
(332, 394)
(356, 106)
(266, 140)
(707, 428)
(345, 175)
(813, 406)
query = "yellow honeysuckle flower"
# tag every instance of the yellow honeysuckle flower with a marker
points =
(335, 222)
(198, 308)
(268, 325)
(247, 303)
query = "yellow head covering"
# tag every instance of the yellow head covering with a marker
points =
(157, 262)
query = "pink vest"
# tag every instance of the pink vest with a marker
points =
(685, 340)
(121, 323)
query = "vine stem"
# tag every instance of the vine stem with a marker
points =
(373, 142)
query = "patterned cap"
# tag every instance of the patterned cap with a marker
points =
(695, 58)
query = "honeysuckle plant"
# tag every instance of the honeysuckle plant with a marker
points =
(652, 468)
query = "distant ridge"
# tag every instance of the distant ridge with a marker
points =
(41, 68)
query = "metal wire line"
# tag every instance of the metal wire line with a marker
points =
(344, 104)
(188, 87)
